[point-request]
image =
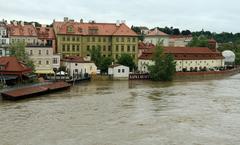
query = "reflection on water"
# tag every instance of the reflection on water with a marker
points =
(127, 113)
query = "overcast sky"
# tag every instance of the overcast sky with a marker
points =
(213, 15)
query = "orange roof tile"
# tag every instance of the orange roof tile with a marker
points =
(45, 33)
(104, 29)
(19, 30)
(156, 32)
(11, 64)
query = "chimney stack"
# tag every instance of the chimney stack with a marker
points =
(212, 44)
(33, 23)
(22, 23)
(65, 19)
(118, 23)
(81, 21)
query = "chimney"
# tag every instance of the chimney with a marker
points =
(65, 19)
(15, 23)
(22, 23)
(33, 23)
(212, 44)
(118, 23)
(81, 21)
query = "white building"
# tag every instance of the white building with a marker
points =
(77, 65)
(44, 59)
(187, 59)
(179, 41)
(155, 36)
(4, 40)
(118, 71)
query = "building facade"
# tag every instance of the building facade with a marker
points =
(4, 40)
(76, 65)
(118, 71)
(78, 38)
(154, 36)
(179, 40)
(187, 59)
(44, 59)
(22, 33)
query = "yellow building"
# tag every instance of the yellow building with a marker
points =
(78, 38)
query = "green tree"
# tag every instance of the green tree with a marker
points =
(164, 66)
(127, 60)
(18, 50)
(198, 42)
(96, 56)
(105, 62)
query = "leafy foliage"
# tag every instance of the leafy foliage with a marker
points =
(199, 42)
(105, 62)
(18, 50)
(96, 56)
(127, 60)
(164, 67)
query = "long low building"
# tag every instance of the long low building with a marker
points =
(186, 58)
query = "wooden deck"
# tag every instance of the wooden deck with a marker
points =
(28, 92)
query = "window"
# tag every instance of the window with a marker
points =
(93, 39)
(39, 52)
(122, 39)
(63, 38)
(55, 60)
(99, 39)
(68, 47)
(133, 48)
(78, 39)
(63, 47)
(116, 47)
(76, 70)
(104, 48)
(78, 48)
(47, 52)
(76, 64)
(39, 62)
(117, 39)
(93, 47)
(1, 52)
(122, 48)
(128, 39)
(134, 39)
(88, 48)
(119, 70)
(68, 38)
(73, 38)
(123, 70)
(69, 29)
(109, 48)
(31, 52)
(73, 48)
(88, 39)
(104, 39)
(128, 48)
(47, 62)
(116, 56)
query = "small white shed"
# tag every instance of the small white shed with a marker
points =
(118, 71)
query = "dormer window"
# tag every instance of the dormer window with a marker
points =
(70, 29)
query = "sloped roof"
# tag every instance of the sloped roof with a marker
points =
(75, 59)
(104, 29)
(19, 30)
(45, 33)
(156, 32)
(186, 53)
(11, 64)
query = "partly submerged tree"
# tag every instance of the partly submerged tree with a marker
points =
(18, 50)
(127, 60)
(96, 56)
(164, 65)
(105, 63)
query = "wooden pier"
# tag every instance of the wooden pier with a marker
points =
(33, 91)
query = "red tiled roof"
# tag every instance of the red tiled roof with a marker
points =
(186, 53)
(142, 45)
(11, 64)
(156, 32)
(45, 33)
(19, 30)
(104, 29)
(75, 59)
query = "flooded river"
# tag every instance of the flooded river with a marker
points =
(128, 113)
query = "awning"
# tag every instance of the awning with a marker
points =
(8, 77)
(44, 72)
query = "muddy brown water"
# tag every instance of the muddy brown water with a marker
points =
(204, 112)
